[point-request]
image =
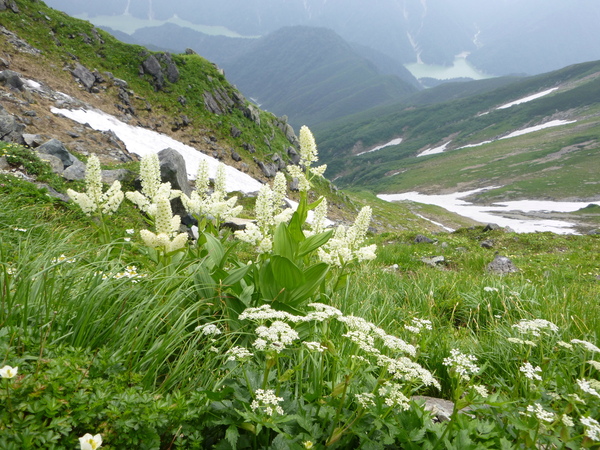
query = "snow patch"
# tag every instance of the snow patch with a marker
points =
(493, 214)
(392, 142)
(434, 151)
(527, 99)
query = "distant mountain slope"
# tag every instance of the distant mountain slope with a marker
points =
(467, 128)
(286, 74)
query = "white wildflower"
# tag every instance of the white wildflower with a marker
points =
(542, 415)
(567, 420)
(587, 345)
(393, 396)
(366, 399)
(308, 147)
(265, 312)
(594, 364)
(587, 387)
(462, 364)
(276, 337)
(417, 325)
(521, 341)
(481, 390)
(209, 329)
(89, 442)
(490, 289)
(535, 327)
(267, 401)
(298, 173)
(8, 372)
(315, 346)
(531, 372)
(238, 353)
(592, 429)
(565, 345)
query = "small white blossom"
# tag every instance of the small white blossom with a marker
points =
(490, 289)
(587, 345)
(393, 396)
(315, 346)
(209, 329)
(89, 442)
(592, 429)
(481, 390)
(586, 386)
(238, 353)
(464, 365)
(565, 345)
(567, 420)
(542, 415)
(276, 337)
(366, 399)
(594, 364)
(521, 341)
(535, 327)
(267, 401)
(8, 372)
(531, 372)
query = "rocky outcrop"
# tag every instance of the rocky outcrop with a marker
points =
(12, 80)
(11, 130)
(161, 68)
(502, 265)
(9, 4)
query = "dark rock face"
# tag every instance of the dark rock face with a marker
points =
(11, 130)
(269, 170)
(174, 170)
(12, 80)
(9, 4)
(159, 67)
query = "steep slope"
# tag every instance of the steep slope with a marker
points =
(184, 96)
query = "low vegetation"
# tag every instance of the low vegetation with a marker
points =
(285, 339)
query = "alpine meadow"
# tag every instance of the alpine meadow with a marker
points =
(178, 270)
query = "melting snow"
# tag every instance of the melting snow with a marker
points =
(143, 142)
(392, 142)
(433, 151)
(527, 99)
(492, 214)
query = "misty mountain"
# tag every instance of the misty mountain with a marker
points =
(503, 37)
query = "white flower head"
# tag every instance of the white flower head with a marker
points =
(538, 411)
(238, 354)
(592, 429)
(535, 327)
(308, 147)
(209, 329)
(89, 442)
(531, 372)
(267, 402)
(587, 345)
(8, 372)
(463, 364)
(276, 337)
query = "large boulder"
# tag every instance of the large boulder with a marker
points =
(84, 75)
(57, 148)
(12, 80)
(174, 171)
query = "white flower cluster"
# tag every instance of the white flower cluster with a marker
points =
(93, 200)
(130, 272)
(315, 346)
(464, 365)
(393, 397)
(363, 333)
(209, 329)
(308, 155)
(418, 325)
(481, 390)
(592, 429)
(521, 341)
(346, 243)
(215, 205)
(152, 187)
(537, 410)
(531, 372)
(535, 327)
(267, 401)
(589, 387)
(166, 238)
(62, 258)
(270, 212)
(587, 345)
(405, 369)
(238, 354)
(276, 337)
(366, 399)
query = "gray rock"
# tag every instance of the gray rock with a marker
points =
(56, 148)
(235, 132)
(235, 156)
(502, 265)
(9, 4)
(294, 156)
(491, 227)
(438, 407)
(277, 159)
(173, 170)
(269, 170)
(170, 67)
(420, 239)
(12, 80)
(75, 171)
(10, 128)
(295, 185)
(433, 261)
(56, 165)
(4, 163)
(85, 76)
(152, 67)
(53, 192)
(252, 113)
(488, 243)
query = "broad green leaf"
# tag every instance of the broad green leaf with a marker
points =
(286, 273)
(215, 250)
(232, 434)
(283, 243)
(313, 242)
(266, 282)
(313, 276)
(235, 275)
